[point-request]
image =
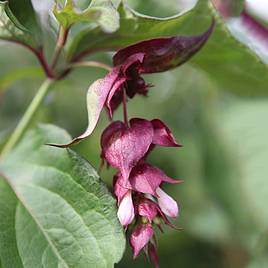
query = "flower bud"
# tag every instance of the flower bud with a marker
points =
(125, 212)
(141, 237)
(167, 204)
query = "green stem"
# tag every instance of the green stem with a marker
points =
(27, 117)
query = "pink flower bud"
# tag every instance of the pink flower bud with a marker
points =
(140, 237)
(147, 208)
(125, 212)
(162, 54)
(163, 135)
(167, 204)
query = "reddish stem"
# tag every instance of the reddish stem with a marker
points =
(62, 38)
(44, 64)
(39, 53)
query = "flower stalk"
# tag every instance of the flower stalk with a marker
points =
(125, 107)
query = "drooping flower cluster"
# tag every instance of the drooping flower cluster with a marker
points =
(137, 185)
(126, 145)
(151, 56)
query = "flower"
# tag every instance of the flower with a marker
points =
(168, 205)
(163, 135)
(137, 184)
(146, 179)
(140, 237)
(146, 208)
(150, 56)
(125, 211)
(123, 147)
(143, 236)
(126, 145)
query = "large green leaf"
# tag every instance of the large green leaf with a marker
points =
(65, 217)
(18, 23)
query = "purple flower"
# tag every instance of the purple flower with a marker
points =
(146, 179)
(125, 211)
(119, 189)
(151, 56)
(162, 54)
(123, 146)
(146, 208)
(141, 237)
(163, 135)
(168, 205)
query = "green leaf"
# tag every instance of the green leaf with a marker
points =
(66, 217)
(28, 17)
(9, 255)
(231, 64)
(19, 29)
(108, 18)
(101, 12)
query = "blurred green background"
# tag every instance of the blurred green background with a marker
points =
(223, 161)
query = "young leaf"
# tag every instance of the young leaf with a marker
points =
(65, 216)
(17, 27)
(101, 12)
(108, 18)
